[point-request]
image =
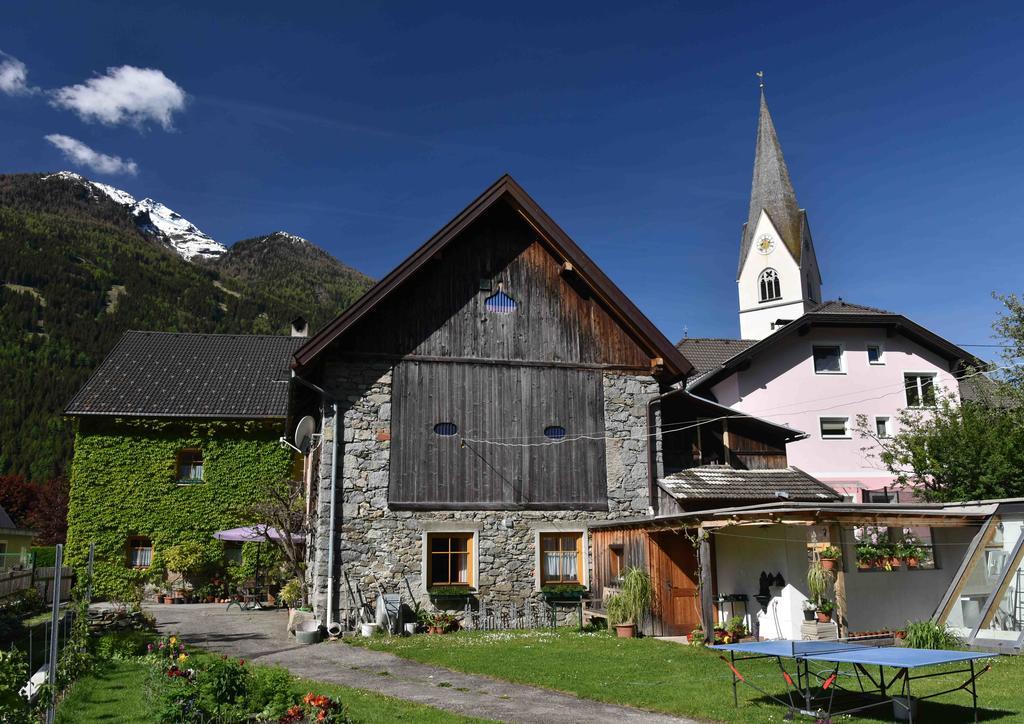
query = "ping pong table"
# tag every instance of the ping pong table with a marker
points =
(818, 692)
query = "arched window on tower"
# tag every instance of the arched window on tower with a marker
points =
(769, 285)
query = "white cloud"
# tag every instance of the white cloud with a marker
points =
(14, 76)
(124, 95)
(81, 155)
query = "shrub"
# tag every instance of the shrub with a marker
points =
(224, 684)
(13, 675)
(930, 635)
(270, 692)
(291, 593)
(616, 607)
(119, 645)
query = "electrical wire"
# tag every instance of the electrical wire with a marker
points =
(679, 427)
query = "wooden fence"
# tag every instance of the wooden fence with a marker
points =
(12, 581)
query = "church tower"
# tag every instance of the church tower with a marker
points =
(778, 277)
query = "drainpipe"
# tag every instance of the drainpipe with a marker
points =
(333, 628)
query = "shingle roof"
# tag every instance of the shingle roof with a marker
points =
(159, 374)
(840, 306)
(708, 353)
(720, 482)
(772, 191)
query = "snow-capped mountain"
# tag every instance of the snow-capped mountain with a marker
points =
(155, 219)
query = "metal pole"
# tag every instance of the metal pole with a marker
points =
(54, 631)
(88, 590)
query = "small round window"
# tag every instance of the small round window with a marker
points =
(554, 432)
(446, 429)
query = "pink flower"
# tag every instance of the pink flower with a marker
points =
(149, 648)
(874, 538)
(181, 647)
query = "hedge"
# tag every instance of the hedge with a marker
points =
(124, 484)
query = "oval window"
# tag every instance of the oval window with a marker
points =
(446, 429)
(554, 432)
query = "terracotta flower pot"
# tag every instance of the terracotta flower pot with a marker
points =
(912, 562)
(828, 564)
(824, 617)
(863, 565)
(625, 630)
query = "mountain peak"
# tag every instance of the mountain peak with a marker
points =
(155, 219)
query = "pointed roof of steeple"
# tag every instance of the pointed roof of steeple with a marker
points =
(772, 190)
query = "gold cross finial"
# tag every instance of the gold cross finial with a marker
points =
(760, 79)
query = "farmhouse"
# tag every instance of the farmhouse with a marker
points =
(175, 436)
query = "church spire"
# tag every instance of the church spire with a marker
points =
(771, 189)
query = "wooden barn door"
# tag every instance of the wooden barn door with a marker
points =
(674, 578)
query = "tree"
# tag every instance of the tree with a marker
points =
(281, 505)
(965, 449)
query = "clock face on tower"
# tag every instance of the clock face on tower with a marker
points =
(766, 244)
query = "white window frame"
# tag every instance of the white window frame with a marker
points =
(935, 389)
(584, 551)
(450, 526)
(881, 354)
(845, 418)
(888, 426)
(842, 358)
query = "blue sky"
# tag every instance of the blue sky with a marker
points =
(365, 127)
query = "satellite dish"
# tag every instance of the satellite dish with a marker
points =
(304, 432)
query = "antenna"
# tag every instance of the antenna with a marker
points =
(304, 433)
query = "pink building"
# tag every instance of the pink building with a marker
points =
(816, 366)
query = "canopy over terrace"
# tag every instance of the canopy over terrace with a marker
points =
(735, 540)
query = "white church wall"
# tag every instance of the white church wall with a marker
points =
(756, 317)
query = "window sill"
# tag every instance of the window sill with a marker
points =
(876, 364)
(837, 437)
(826, 372)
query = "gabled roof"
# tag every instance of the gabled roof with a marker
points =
(838, 313)
(708, 353)
(721, 482)
(8, 526)
(219, 376)
(506, 190)
(772, 191)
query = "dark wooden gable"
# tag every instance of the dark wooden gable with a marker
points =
(497, 293)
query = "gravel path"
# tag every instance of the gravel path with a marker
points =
(260, 636)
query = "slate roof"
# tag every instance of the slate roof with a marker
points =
(5, 519)
(220, 376)
(772, 191)
(720, 482)
(708, 353)
(840, 306)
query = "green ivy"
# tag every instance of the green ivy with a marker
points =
(123, 484)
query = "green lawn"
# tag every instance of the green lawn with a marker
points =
(117, 695)
(666, 676)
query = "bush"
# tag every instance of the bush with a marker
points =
(13, 675)
(120, 645)
(270, 692)
(44, 556)
(930, 635)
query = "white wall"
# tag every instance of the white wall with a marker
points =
(888, 599)
(875, 600)
(756, 317)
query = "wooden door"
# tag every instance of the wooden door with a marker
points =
(674, 578)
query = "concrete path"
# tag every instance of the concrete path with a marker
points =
(260, 636)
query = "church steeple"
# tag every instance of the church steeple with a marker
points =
(778, 274)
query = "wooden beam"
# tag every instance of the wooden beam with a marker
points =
(707, 609)
(842, 620)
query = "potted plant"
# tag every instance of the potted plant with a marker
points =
(867, 555)
(829, 556)
(696, 637)
(291, 593)
(440, 622)
(809, 608)
(627, 608)
(562, 592)
(909, 551)
(736, 628)
(818, 580)
(825, 608)
(890, 556)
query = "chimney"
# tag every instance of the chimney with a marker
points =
(300, 327)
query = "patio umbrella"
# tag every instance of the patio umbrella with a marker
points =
(255, 534)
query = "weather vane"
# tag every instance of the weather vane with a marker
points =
(760, 78)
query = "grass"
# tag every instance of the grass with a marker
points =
(117, 695)
(670, 677)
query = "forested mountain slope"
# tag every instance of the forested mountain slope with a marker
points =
(78, 268)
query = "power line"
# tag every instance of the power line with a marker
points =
(680, 427)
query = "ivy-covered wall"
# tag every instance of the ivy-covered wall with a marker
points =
(124, 484)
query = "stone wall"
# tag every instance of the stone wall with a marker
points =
(376, 544)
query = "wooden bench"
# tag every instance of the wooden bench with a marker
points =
(597, 608)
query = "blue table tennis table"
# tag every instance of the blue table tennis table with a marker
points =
(818, 692)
